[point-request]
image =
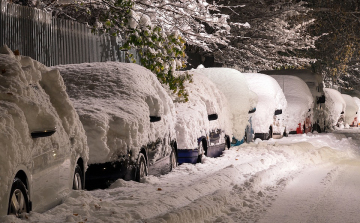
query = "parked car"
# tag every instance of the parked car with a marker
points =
(128, 117)
(351, 109)
(241, 100)
(43, 146)
(300, 103)
(203, 124)
(315, 83)
(335, 106)
(355, 123)
(268, 119)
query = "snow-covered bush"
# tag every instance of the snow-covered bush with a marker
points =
(114, 101)
(33, 98)
(270, 98)
(299, 99)
(351, 109)
(335, 106)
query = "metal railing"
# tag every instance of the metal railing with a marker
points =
(54, 41)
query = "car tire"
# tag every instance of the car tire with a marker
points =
(141, 170)
(173, 160)
(78, 181)
(270, 132)
(201, 148)
(227, 141)
(19, 200)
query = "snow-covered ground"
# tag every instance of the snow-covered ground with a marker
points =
(300, 178)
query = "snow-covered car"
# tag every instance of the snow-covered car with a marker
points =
(242, 102)
(129, 120)
(315, 83)
(355, 123)
(203, 125)
(351, 109)
(335, 106)
(43, 144)
(268, 119)
(300, 103)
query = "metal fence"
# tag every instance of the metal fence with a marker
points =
(54, 41)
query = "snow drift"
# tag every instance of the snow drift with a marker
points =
(270, 98)
(192, 117)
(114, 101)
(32, 98)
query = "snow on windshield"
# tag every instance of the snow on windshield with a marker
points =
(114, 101)
(270, 98)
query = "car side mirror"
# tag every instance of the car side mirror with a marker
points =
(213, 117)
(278, 112)
(45, 133)
(155, 118)
(252, 110)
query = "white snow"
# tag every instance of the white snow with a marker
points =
(334, 106)
(357, 101)
(32, 98)
(299, 100)
(351, 108)
(114, 101)
(192, 116)
(235, 88)
(270, 98)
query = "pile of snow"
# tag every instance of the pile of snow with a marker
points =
(234, 86)
(270, 98)
(192, 117)
(351, 109)
(334, 106)
(299, 100)
(114, 101)
(32, 98)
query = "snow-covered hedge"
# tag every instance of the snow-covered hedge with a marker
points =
(299, 100)
(234, 86)
(32, 98)
(351, 108)
(114, 101)
(270, 98)
(192, 117)
(334, 106)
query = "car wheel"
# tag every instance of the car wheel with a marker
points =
(19, 201)
(173, 160)
(227, 140)
(270, 132)
(201, 152)
(78, 182)
(141, 170)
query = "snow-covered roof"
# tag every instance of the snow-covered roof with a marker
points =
(234, 86)
(334, 105)
(270, 98)
(192, 116)
(114, 101)
(351, 108)
(299, 99)
(33, 98)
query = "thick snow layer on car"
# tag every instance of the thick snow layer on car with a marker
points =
(334, 106)
(299, 100)
(33, 98)
(270, 98)
(357, 101)
(351, 108)
(114, 101)
(234, 86)
(192, 116)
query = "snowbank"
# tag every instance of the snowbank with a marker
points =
(32, 98)
(192, 117)
(114, 101)
(334, 106)
(351, 109)
(270, 98)
(299, 100)
(234, 86)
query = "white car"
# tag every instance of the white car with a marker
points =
(129, 120)
(43, 145)
(203, 124)
(268, 120)
(300, 103)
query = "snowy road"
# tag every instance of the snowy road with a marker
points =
(302, 178)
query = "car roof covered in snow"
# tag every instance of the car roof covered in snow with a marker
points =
(114, 101)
